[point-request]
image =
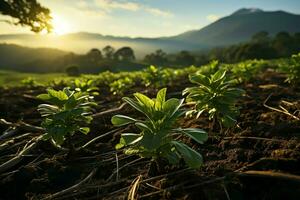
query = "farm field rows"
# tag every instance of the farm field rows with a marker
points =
(255, 156)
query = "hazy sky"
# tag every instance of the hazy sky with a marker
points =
(146, 18)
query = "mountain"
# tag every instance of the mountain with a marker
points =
(235, 28)
(82, 42)
(241, 26)
(44, 60)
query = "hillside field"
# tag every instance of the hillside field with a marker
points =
(246, 147)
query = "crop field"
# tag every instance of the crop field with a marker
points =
(219, 131)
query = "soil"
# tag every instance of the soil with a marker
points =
(257, 159)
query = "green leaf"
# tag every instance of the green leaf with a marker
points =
(160, 99)
(143, 126)
(171, 106)
(196, 134)
(220, 74)
(144, 100)
(131, 138)
(128, 139)
(44, 97)
(121, 120)
(199, 79)
(84, 130)
(192, 158)
(58, 139)
(172, 157)
(228, 121)
(135, 105)
(58, 94)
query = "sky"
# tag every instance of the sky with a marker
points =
(144, 18)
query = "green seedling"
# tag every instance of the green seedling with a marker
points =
(86, 86)
(214, 95)
(67, 113)
(158, 129)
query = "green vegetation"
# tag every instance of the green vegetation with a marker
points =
(158, 128)
(68, 113)
(214, 95)
(86, 86)
(12, 78)
(292, 68)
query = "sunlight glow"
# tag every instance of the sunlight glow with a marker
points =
(60, 26)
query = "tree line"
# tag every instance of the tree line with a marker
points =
(261, 46)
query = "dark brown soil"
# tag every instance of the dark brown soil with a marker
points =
(258, 159)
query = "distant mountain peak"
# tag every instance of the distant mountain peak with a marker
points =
(245, 11)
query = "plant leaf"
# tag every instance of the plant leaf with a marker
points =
(160, 99)
(192, 158)
(121, 120)
(84, 130)
(196, 134)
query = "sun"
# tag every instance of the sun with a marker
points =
(60, 26)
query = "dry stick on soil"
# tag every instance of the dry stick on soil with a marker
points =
(270, 174)
(99, 137)
(12, 141)
(11, 131)
(22, 125)
(109, 111)
(144, 181)
(278, 110)
(226, 191)
(124, 166)
(117, 162)
(134, 188)
(261, 162)
(17, 159)
(253, 138)
(74, 187)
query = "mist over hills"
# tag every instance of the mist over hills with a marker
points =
(235, 28)
(44, 53)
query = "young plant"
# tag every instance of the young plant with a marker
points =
(30, 82)
(215, 96)
(246, 71)
(86, 86)
(69, 112)
(292, 69)
(121, 85)
(153, 76)
(158, 130)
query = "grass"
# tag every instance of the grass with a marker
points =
(12, 78)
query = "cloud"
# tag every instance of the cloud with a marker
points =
(158, 12)
(110, 5)
(212, 17)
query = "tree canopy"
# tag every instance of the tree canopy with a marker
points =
(27, 13)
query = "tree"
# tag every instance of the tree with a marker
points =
(261, 37)
(159, 57)
(124, 54)
(28, 13)
(283, 43)
(94, 56)
(108, 52)
(72, 70)
(185, 58)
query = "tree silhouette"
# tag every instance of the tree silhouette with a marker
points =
(108, 52)
(185, 58)
(94, 56)
(73, 70)
(124, 54)
(261, 37)
(159, 57)
(28, 13)
(283, 43)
